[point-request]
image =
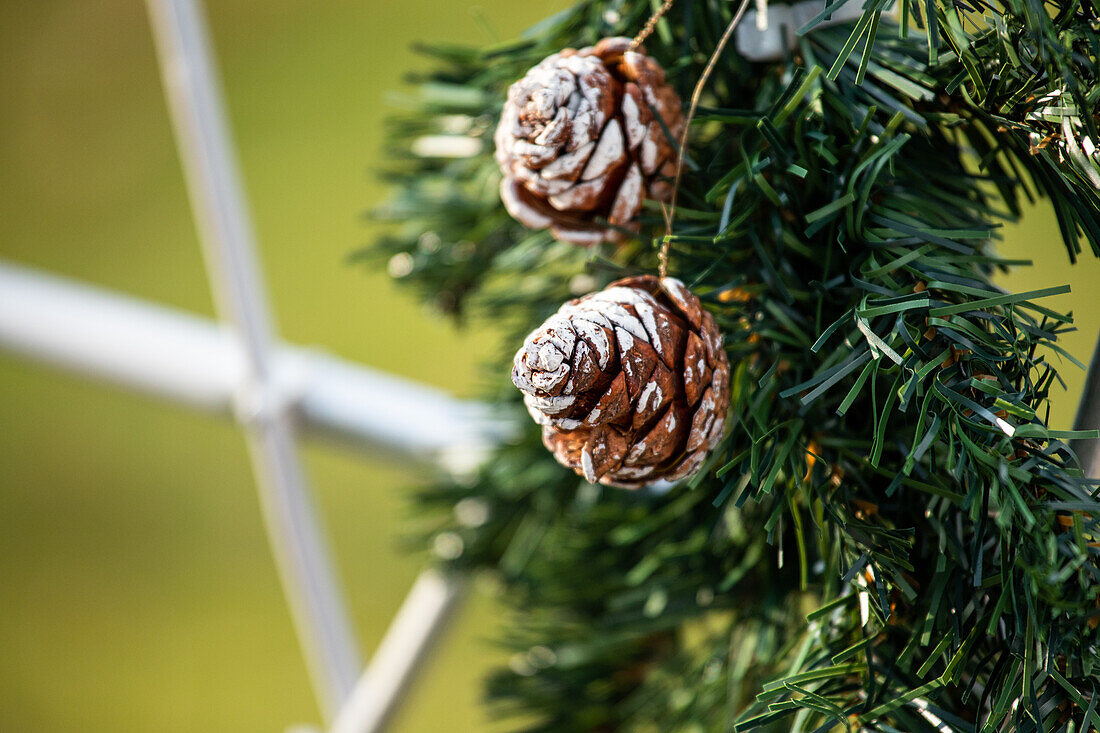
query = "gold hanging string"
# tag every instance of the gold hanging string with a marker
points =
(649, 26)
(662, 256)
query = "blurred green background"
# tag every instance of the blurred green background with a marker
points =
(136, 588)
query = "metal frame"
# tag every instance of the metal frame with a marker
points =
(225, 231)
(240, 368)
(196, 362)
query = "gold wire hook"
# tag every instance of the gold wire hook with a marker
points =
(649, 25)
(662, 255)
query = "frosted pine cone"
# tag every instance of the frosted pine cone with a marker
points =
(580, 143)
(630, 384)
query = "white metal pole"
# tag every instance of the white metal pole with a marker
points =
(198, 362)
(194, 361)
(214, 187)
(413, 632)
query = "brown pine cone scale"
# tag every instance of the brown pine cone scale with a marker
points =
(581, 141)
(630, 384)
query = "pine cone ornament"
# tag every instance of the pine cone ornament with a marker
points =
(581, 145)
(630, 384)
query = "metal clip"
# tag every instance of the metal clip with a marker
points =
(769, 32)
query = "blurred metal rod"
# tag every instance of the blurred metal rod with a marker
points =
(415, 629)
(194, 361)
(225, 231)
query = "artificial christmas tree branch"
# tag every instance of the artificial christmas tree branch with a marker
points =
(890, 536)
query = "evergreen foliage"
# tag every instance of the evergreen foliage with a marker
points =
(890, 537)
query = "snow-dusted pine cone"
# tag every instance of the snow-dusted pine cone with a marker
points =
(630, 384)
(580, 143)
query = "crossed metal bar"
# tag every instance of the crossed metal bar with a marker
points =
(196, 362)
(241, 368)
(352, 701)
